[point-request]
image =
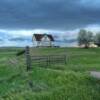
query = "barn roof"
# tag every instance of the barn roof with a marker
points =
(38, 37)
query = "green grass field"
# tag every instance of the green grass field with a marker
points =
(56, 82)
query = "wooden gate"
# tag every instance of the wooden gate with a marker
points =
(45, 60)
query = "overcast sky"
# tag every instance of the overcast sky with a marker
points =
(19, 19)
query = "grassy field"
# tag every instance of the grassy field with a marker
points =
(56, 82)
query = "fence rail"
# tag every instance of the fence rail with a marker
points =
(54, 59)
(43, 60)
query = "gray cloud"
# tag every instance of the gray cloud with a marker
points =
(47, 14)
(21, 39)
(7, 39)
(1, 40)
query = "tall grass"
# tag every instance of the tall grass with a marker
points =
(56, 82)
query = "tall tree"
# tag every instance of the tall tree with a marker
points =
(97, 39)
(85, 38)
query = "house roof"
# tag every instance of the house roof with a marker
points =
(38, 37)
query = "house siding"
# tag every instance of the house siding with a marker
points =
(44, 42)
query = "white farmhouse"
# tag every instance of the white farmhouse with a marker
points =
(43, 40)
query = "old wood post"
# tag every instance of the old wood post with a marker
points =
(28, 58)
(65, 59)
(48, 60)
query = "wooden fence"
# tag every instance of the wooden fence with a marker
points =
(48, 60)
(43, 60)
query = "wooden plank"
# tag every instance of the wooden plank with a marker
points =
(48, 60)
(28, 58)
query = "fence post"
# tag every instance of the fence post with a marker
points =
(28, 58)
(65, 59)
(48, 60)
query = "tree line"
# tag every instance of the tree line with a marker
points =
(85, 38)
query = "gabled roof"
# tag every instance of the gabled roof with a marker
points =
(38, 37)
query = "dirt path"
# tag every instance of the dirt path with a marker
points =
(95, 74)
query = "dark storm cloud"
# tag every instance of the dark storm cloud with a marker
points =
(21, 39)
(67, 41)
(48, 14)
